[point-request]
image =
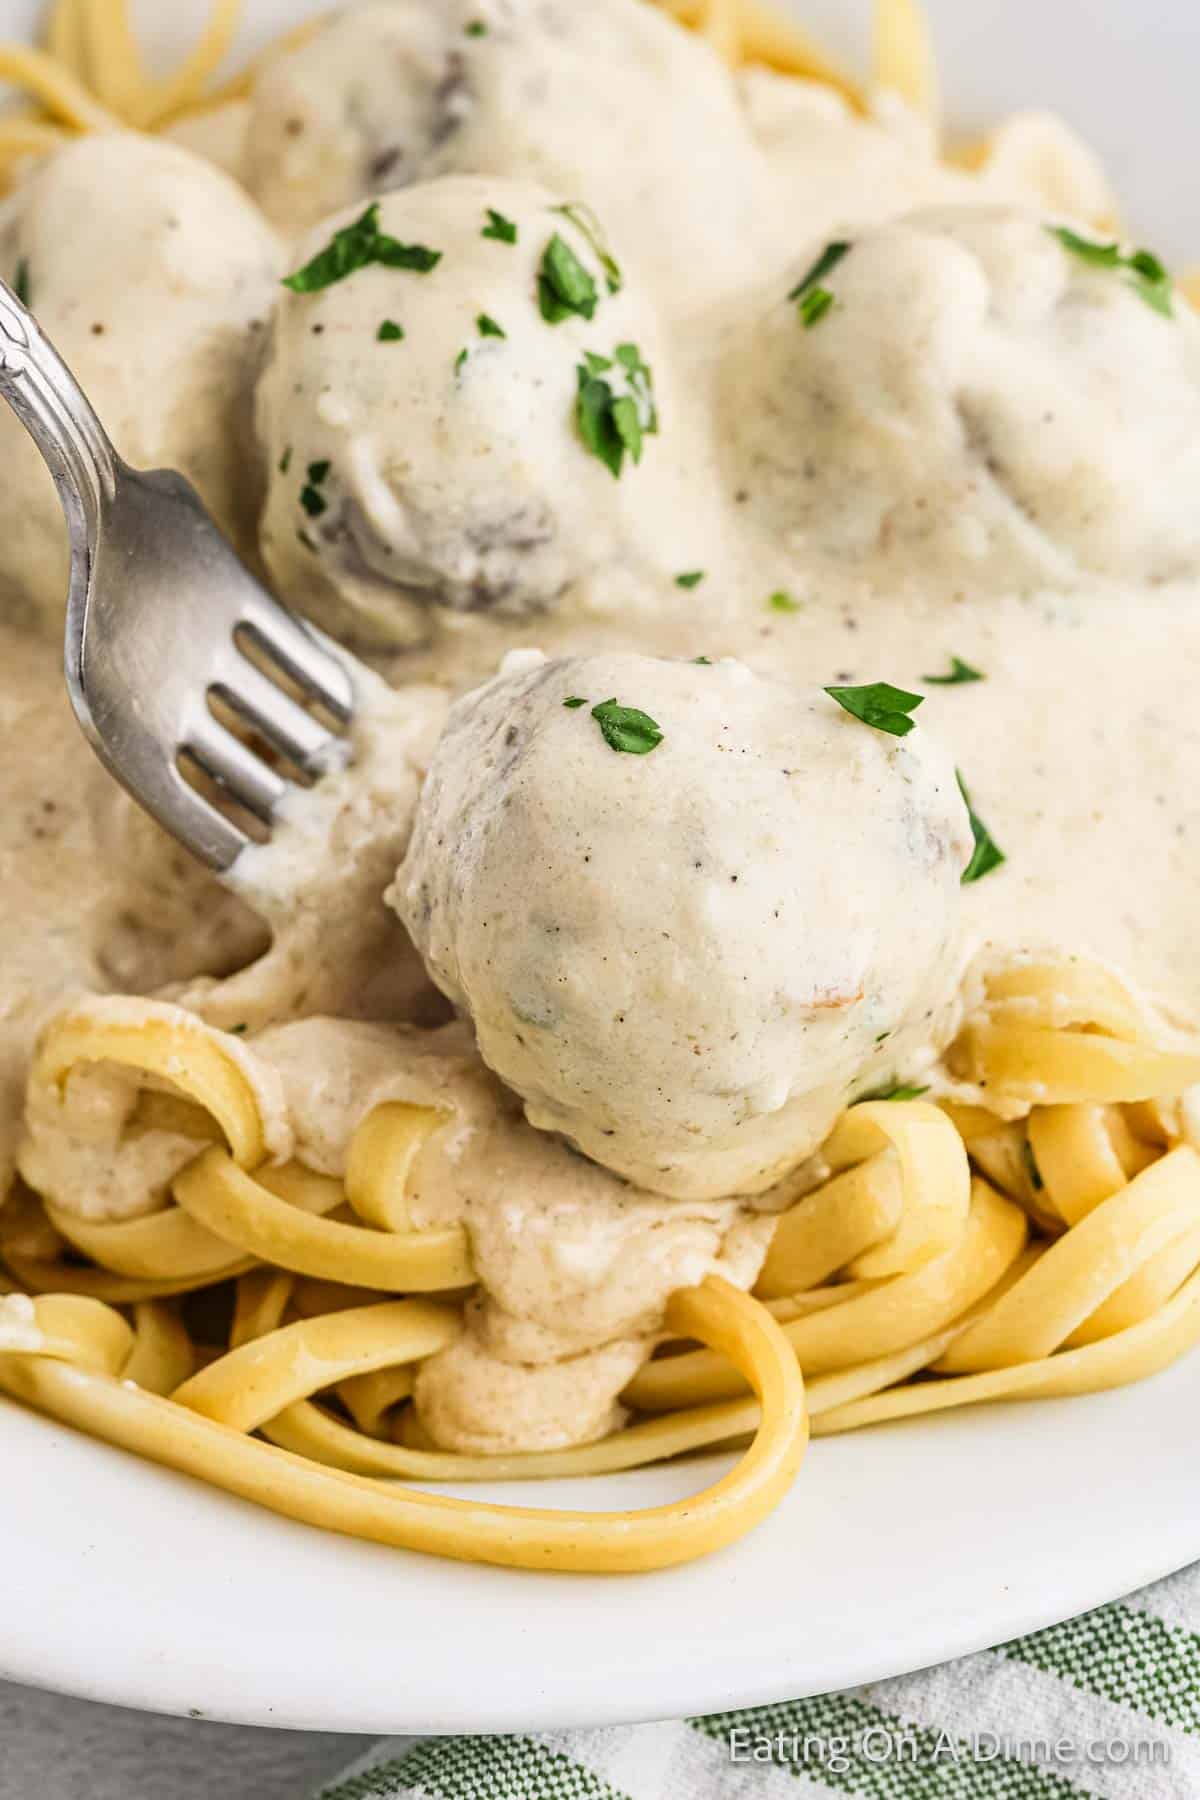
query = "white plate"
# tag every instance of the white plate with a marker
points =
(897, 1547)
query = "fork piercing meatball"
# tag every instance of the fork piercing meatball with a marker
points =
(685, 955)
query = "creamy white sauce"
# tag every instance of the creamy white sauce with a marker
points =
(985, 449)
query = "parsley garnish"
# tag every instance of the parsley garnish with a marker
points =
(828, 260)
(564, 285)
(500, 228)
(692, 579)
(311, 498)
(356, 247)
(285, 461)
(389, 332)
(1148, 278)
(815, 304)
(780, 601)
(574, 701)
(459, 360)
(625, 728)
(704, 661)
(22, 286)
(585, 221)
(239, 1030)
(987, 854)
(489, 328)
(476, 28)
(611, 423)
(880, 704)
(896, 1091)
(960, 672)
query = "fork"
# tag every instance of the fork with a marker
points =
(163, 620)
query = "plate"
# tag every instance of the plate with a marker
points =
(897, 1548)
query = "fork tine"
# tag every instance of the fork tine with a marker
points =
(279, 718)
(301, 656)
(245, 776)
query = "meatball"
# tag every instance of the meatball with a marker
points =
(608, 103)
(154, 275)
(686, 959)
(983, 403)
(422, 427)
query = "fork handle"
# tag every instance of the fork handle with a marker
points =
(58, 417)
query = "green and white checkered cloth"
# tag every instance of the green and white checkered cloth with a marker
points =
(1107, 1704)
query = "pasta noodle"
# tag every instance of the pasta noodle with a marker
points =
(1031, 1228)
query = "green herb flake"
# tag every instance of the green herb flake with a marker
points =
(704, 661)
(489, 328)
(564, 285)
(285, 461)
(574, 702)
(880, 705)
(1031, 1168)
(613, 424)
(960, 674)
(626, 729)
(239, 1030)
(22, 284)
(476, 29)
(502, 230)
(588, 225)
(828, 260)
(389, 332)
(356, 247)
(1148, 278)
(782, 602)
(691, 579)
(311, 498)
(813, 307)
(895, 1091)
(460, 361)
(987, 854)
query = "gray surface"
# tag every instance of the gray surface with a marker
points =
(56, 1749)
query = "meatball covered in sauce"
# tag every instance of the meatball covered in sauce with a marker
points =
(422, 423)
(154, 276)
(974, 397)
(688, 926)
(609, 103)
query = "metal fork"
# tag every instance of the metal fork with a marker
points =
(160, 616)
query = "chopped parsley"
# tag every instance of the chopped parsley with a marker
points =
(574, 701)
(896, 1091)
(813, 307)
(459, 360)
(22, 285)
(987, 854)
(239, 1030)
(1031, 1168)
(498, 227)
(880, 705)
(782, 602)
(476, 28)
(828, 260)
(564, 285)
(1148, 278)
(691, 579)
(389, 332)
(960, 673)
(489, 328)
(285, 461)
(311, 498)
(613, 423)
(813, 300)
(625, 728)
(588, 225)
(704, 661)
(356, 247)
